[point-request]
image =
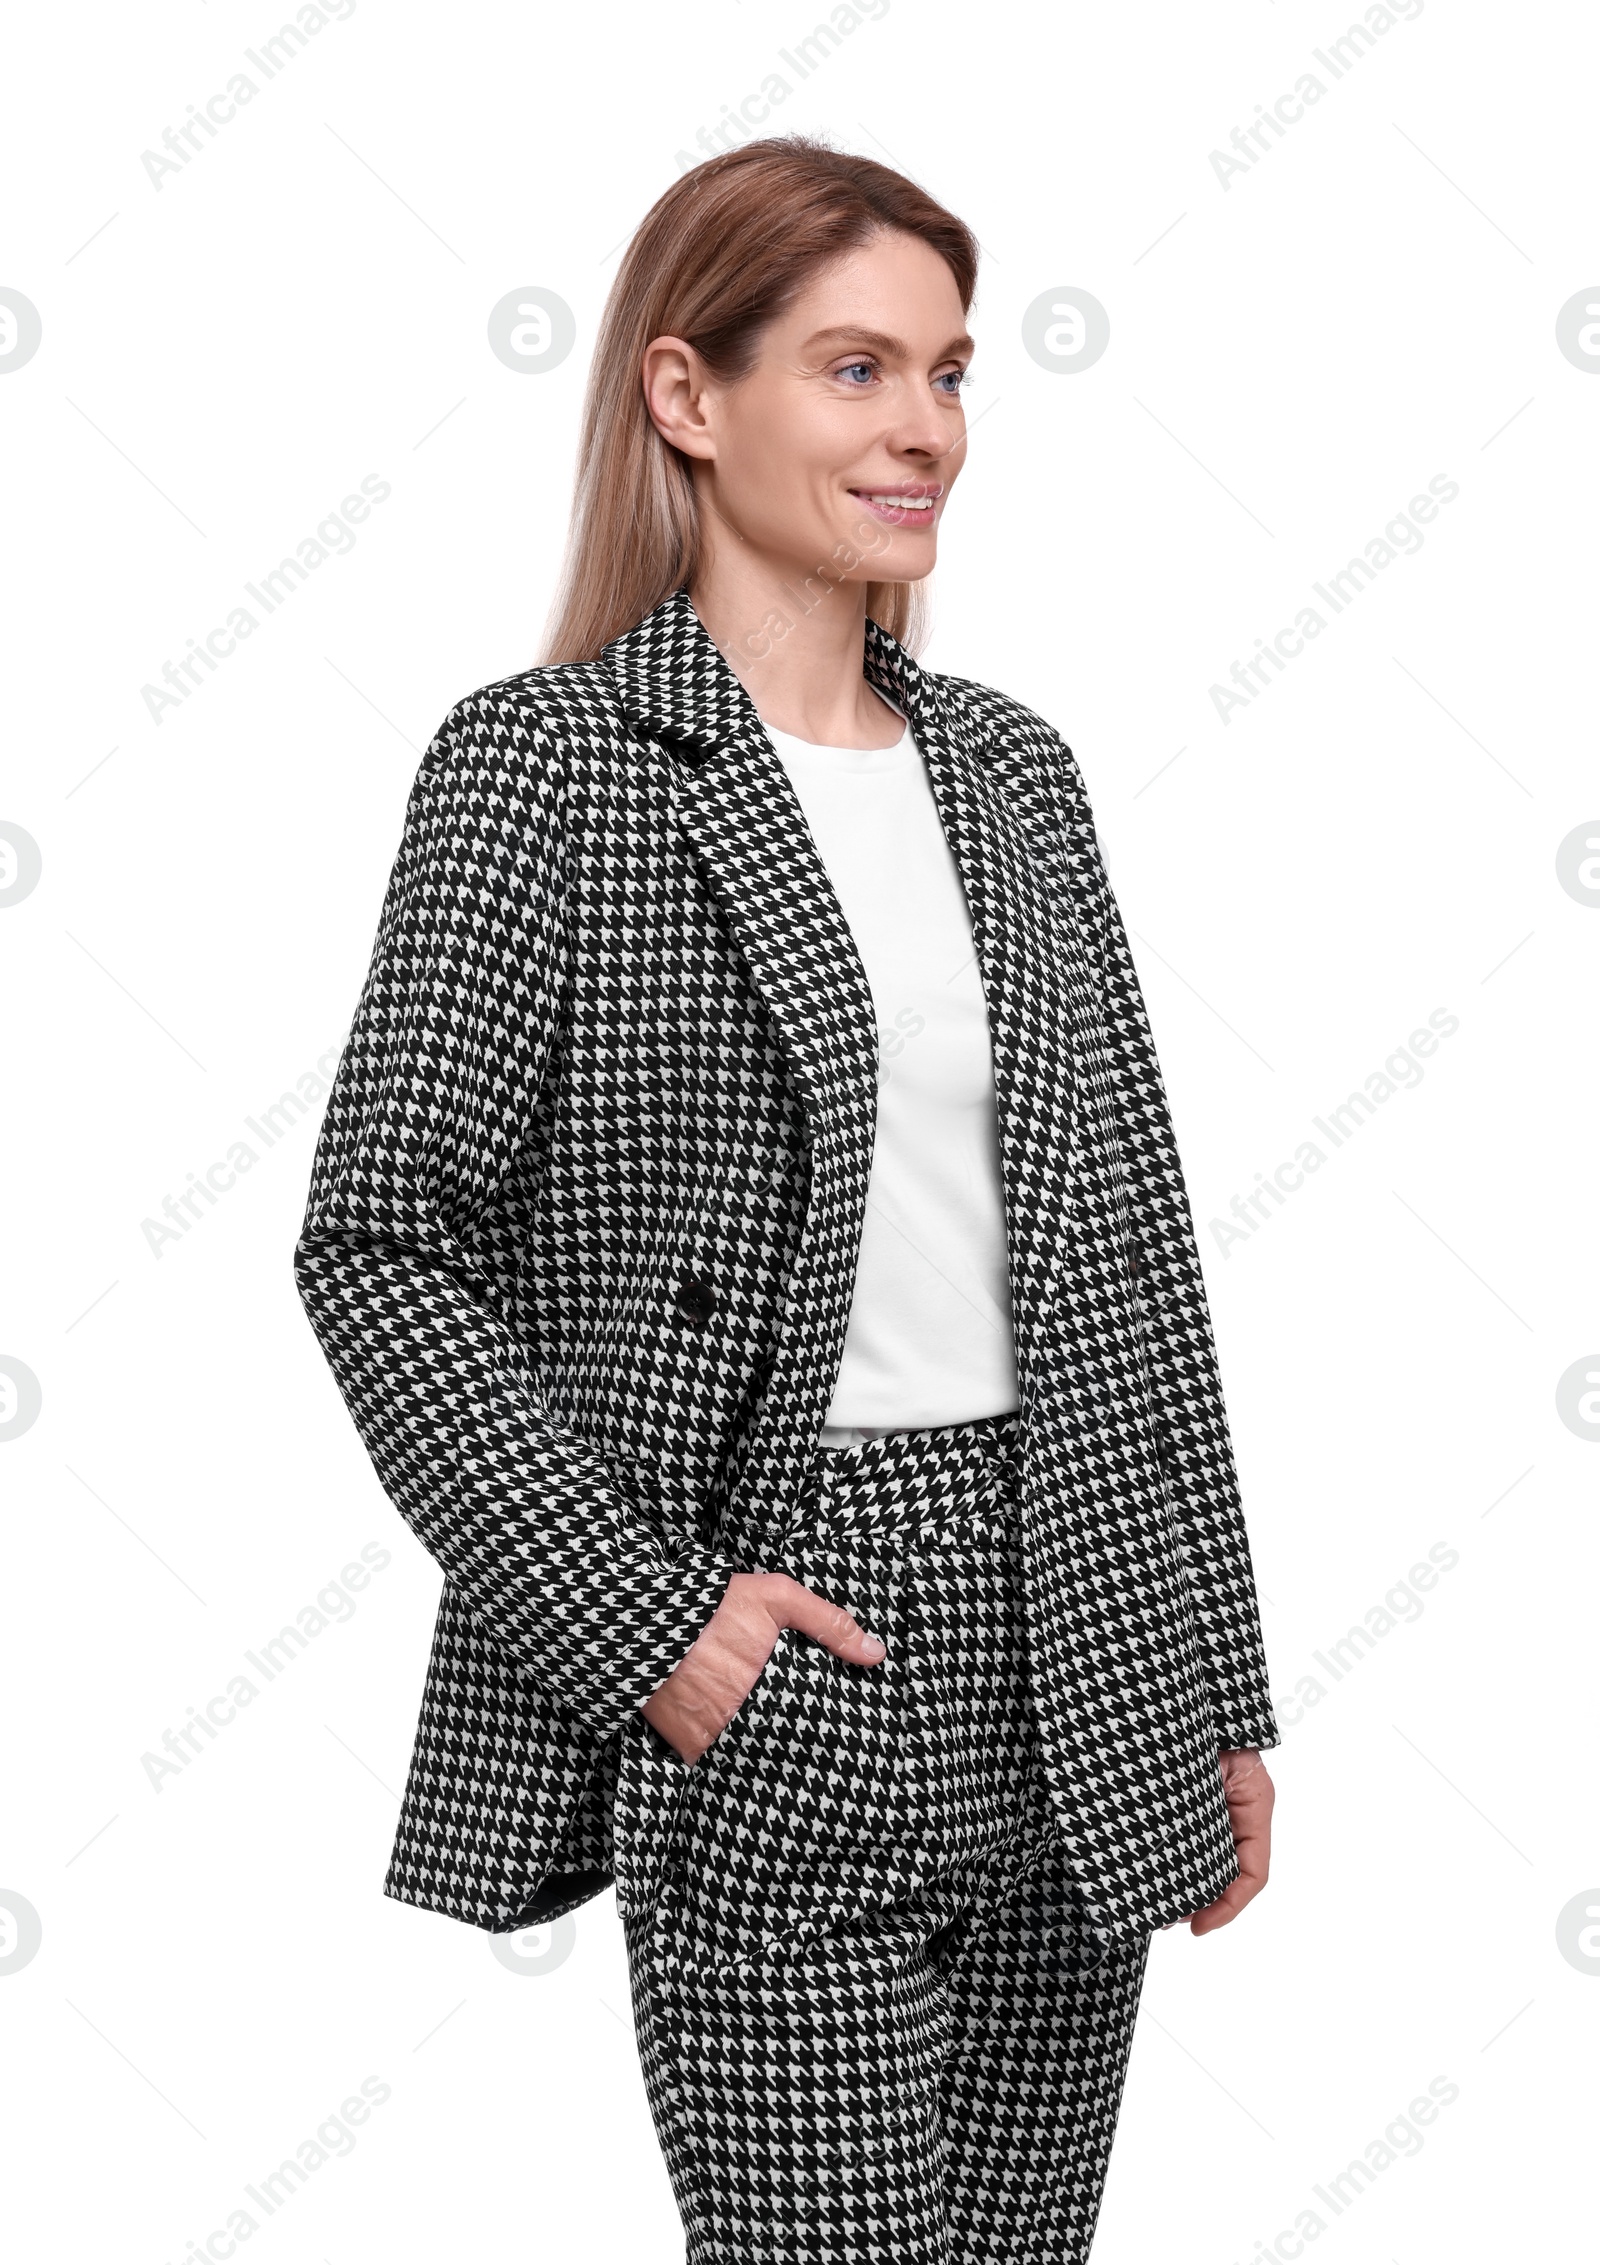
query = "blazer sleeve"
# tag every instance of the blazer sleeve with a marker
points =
(431, 1102)
(1170, 1295)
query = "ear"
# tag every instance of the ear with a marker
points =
(676, 390)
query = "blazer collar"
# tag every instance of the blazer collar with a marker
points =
(676, 684)
(732, 799)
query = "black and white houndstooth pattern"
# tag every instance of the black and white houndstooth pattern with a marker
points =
(940, 2099)
(873, 2019)
(838, 1788)
(914, 2091)
(581, 1236)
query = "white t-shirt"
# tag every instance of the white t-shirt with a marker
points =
(929, 1338)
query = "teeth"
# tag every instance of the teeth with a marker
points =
(903, 502)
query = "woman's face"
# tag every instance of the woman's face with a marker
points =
(837, 453)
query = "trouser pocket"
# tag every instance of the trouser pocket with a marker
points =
(796, 1812)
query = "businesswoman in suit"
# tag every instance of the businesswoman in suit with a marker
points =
(748, 1234)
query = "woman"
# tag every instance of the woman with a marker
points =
(748, 1234)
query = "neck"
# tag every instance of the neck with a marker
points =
(797, 642)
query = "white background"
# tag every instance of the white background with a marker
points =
(1293, 356)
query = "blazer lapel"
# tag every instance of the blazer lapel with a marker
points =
(732, 797)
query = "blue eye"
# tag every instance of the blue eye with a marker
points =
(868, 364)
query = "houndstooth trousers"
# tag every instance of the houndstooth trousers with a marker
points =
(873, 2021)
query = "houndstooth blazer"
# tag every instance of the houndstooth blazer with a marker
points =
(581, 1238)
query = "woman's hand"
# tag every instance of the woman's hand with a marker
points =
(1250, 1795)
(718, 1672)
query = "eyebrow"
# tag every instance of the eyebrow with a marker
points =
(895, 349)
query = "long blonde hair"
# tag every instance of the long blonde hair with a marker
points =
(724, 252)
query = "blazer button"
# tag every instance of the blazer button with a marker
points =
(1135, 1264)
(695, 1299)
(685, 750)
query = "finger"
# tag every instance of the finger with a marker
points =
(830, 1623)
(1251, 1880)
(1227, 1906)
(1253, 1841)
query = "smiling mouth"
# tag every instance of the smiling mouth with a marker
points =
(917, 500)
